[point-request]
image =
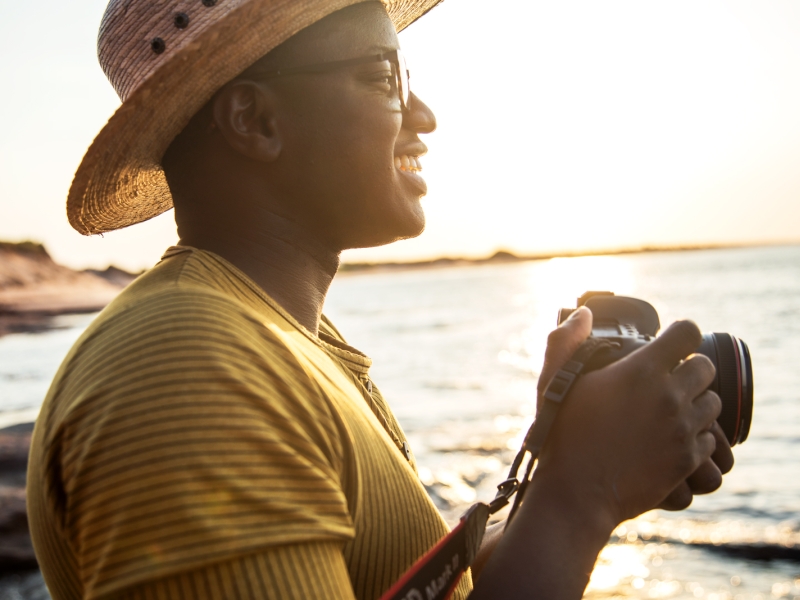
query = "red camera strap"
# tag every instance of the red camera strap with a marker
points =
(435, 575)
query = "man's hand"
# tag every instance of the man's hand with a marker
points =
(707, 477)
(635, 434)
(562, 344)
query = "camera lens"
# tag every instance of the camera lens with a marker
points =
(733, 383)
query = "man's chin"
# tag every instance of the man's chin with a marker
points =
(408, 231)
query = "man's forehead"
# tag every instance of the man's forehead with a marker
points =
(357, 30)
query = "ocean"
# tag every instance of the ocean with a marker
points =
(457, 352)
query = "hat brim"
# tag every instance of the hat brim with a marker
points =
(120, 181)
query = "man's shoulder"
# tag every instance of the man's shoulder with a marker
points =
(173, 323)
(185, 292)
(182, 273)
(175, 340)
(172, 344)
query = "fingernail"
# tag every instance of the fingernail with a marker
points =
(575, 312)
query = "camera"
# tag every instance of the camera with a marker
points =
(631, 323)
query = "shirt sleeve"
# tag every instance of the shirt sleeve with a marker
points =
(298, 572)
(193, 439)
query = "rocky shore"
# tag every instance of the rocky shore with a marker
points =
(34, 288)
(19, 574)
(16, 551)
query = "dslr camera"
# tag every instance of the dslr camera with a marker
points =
(631, 323)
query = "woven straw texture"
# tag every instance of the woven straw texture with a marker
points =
(120, 181)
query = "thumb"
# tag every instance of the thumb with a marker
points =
(563, 342)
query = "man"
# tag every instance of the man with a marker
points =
(212, 435)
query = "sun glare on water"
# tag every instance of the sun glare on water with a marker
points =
(560, 281)
(557, 283)
(615, 565)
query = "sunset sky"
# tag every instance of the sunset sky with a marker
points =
(563, 126)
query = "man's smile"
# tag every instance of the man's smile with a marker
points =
(407, 163)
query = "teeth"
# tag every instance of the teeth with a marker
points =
(407, 163)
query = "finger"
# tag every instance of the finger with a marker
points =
(705, 445)
(706, 408)
(695, 374)
(676, 343)
(563, 342)
(678, 499)
(706, 478)
(723, 455)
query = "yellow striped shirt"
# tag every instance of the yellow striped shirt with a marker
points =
(197, 442)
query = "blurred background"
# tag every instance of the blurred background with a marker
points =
(564, 128)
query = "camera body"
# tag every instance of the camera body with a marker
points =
(632, 323)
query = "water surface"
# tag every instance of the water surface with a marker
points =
(457, 352)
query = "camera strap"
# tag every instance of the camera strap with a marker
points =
(436, 574)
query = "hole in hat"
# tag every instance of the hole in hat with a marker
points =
(209, 2)
(181, 20)
(158, 45)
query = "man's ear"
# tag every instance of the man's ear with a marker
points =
(244, 113)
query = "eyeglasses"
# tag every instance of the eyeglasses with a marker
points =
(395, 58)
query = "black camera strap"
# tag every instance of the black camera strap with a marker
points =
(436, 574)
(556, 391)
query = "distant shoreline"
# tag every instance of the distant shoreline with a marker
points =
(34, 289)
(505, 256)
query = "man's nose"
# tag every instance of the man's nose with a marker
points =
(418, 117)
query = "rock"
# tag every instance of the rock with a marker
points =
(27, 585)
(758, 552)
(504, 256)
(34, 287)
(14, 444)
(16, 549)
(114, 275)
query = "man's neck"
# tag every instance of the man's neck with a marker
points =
(289, 264)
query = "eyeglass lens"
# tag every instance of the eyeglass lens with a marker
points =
(402, 79)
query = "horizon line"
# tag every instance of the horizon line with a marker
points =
(506, 255)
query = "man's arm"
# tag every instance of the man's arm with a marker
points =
(204, 441)
(627, 440)
(295, 572)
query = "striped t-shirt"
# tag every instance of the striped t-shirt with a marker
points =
(197, 442)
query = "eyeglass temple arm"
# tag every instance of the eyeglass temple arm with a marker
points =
(328, 66)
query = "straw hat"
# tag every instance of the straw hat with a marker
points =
(166, 59)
